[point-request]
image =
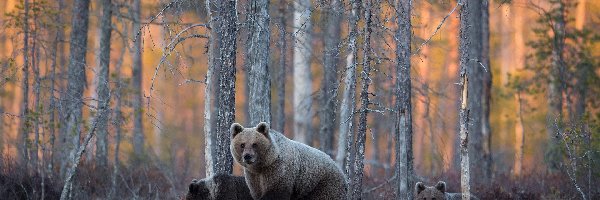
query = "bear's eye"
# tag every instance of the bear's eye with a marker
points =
(254, 145)
(243, 145)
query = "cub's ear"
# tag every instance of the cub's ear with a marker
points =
(263, 128)
(194, 186)
(419, 187)
(441, 186)
(235, 129)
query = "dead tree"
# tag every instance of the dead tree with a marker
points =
(102, 89)
(361, 135)
(346, 124)
(403, 108)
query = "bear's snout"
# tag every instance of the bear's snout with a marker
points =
(248, 159)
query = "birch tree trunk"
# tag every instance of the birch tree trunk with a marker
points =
(102, 89)
(227, 16)
(209, 135)
(361, 135)
(302, 73)
(346, 131)
(329, 85)
(279, 119)
(403, 108)
(136, 78)
(257, 59)
(486, 97)
(24, 125)
(76, 82)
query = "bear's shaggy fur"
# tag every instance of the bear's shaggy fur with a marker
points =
(219, 187)
(437, 192)
(276, 167)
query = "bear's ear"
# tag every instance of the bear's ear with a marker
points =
(235, 129)
(441, 186)
(194, 186)
(263, 128)
(419, 187)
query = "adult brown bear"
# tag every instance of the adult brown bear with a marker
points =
(276, 167)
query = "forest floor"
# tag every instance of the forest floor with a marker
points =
(16, 182)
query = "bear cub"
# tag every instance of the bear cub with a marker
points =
(219, 187)
(437, 192)
(276, 167)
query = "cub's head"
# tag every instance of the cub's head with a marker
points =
(198, 190)
(430, 193)
(251, 147)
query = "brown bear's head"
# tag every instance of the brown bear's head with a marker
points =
(252, 147)
(430, 193)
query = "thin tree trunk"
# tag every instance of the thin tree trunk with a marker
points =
(361, 135)
(37, 111)
(302, 72)
(102, 89)
(346, 131)
(24, 122)
(403, 107)
(208, 88)
(452, 161)
(257, 59)
(470, 54)
(486, 97)
(519, 137)
(118, 115)
(136, 78)
(555, 88)
(279, 120)
(76, 82)
(227, 15)
(329, 85)
(55, 46)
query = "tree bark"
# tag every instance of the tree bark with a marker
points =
(361, 135)
(24, 124)
(279, 119)
(470, 113)
(227, 16)
(519, 136)
(329, 85)
(136, 78)
(403, 107)
(102, 89)
(118, 115)
(346, 131)
(302, 73)
(257, 59)
(76, 83)
(56, 46)
(209, 135)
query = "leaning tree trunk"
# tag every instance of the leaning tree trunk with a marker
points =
(136, 79)
(329, 85)
(361, 135)
(227, 16)
(257, 59)
(302, 73)
(24, 125)
(76, 83)
(403, 108)
(486, 97)
(102, 89)
(346, 130)
(470, 53)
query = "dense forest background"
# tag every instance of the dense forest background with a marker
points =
(151, 87)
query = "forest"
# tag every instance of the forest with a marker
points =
(133, 99)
